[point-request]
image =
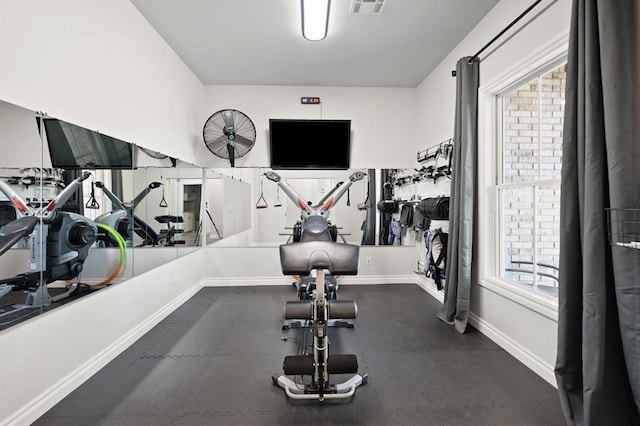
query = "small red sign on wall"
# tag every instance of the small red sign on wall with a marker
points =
(309, 101)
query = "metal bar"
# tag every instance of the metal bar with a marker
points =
(507, 28)
(525, 271)
(544, 265)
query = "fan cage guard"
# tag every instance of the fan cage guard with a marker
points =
(153, 154)
(624, 227)
(245, 128)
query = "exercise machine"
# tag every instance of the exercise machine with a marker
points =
(58, 243)
(315, 256)
(123, 220)
(305, 284)
(166, 236)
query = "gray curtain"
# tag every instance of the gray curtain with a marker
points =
(463, 196)
(598, 360)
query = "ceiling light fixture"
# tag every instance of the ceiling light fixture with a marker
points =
(315, 18)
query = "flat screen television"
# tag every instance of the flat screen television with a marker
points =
(74, 147)
(310, 144)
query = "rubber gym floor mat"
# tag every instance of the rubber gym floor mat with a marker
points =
(210, 363)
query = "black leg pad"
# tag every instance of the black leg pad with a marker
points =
(342, 364)
(298, 309)
(298, 365)
(343, 309)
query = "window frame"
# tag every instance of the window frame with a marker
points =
(489, 236)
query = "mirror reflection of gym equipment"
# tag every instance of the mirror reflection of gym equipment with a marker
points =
(191, 201)
(58, 242)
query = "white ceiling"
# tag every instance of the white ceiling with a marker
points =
(259, 42)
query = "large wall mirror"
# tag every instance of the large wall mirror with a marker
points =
(363, 214)
(120, 210)
(276, 213)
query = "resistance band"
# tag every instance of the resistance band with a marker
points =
(122, 245)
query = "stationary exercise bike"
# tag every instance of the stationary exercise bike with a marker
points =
(313, 255)
(58, 243)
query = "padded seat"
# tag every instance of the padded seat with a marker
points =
(303, 257)
(7, 213)
(166, 218)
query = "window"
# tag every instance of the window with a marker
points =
(528, 184)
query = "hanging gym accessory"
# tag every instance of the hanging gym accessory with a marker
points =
(434, 154)
(92, 203)
(277, 203)
(262, 202)
(163, 202)
(366, 204)
(436, 208)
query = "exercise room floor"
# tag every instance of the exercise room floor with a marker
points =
(210, 363)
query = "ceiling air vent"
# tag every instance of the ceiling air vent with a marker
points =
(366, 7)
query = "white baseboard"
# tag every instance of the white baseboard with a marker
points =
(30, 412)
(378, 279)
(429, 286)
(538, 366)
(285, 280)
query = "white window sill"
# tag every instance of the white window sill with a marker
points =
(544, 305)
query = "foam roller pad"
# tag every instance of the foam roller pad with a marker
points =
(343, 309)
(298, 365)
(342, 364)
(298, 309)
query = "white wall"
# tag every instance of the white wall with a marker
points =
(382, 120)
(100, 65)
(526, 329)
(228, 266)
(19, 130)
(52, 354)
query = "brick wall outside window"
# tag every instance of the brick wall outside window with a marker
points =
(532, 124)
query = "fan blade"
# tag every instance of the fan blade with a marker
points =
(217, 146)
(243, 141)
(227, 116)
(232, 155)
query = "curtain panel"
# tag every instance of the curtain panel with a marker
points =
(462, 204)
(598, 358)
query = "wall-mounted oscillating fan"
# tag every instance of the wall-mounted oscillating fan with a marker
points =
(229, 134)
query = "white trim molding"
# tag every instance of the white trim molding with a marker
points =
(35, 408)
(285, 280)
(534, 363)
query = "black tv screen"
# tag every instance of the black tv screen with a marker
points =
(310, 144)
(74, 147)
